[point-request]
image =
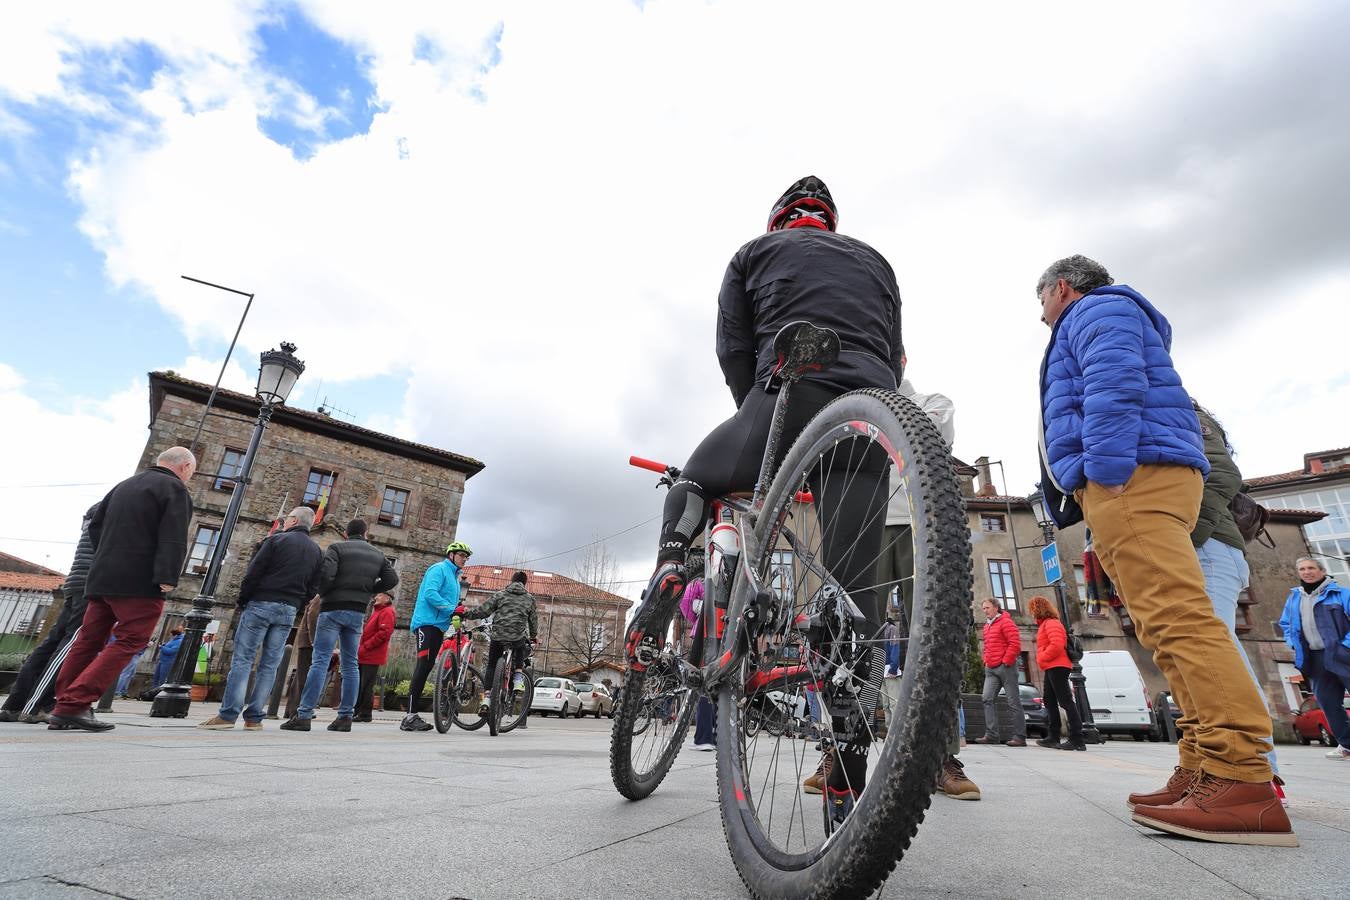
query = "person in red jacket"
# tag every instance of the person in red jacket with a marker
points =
(1053, 658)
(372, 653)
(1002, 644)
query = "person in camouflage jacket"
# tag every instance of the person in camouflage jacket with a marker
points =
(514, 622)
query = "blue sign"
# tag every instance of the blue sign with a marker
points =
(1050, 562)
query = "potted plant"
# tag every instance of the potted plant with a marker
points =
(201, 685)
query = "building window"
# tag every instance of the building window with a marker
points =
(231, 467)
(203, 548)
(1001, 584)
(393, 505)
(320, 484)
(993, 522)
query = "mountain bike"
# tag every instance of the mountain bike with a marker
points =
(779, 616)
(508, 707)
(458, 683)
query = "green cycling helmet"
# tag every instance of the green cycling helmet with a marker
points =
(458, 547)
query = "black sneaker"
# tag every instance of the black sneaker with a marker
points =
(7, 716)
(295, 723)
(1048, 743)
(341, 724)
(415, 722)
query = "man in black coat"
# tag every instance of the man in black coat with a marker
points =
(139, 536)
(33, 693)
(353, 572)
(281, 578)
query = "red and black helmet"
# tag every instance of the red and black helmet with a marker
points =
(806, 203)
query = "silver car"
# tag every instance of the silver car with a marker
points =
(595, 699)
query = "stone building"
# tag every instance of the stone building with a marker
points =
(1322, 484)
(409, 493)
(581, 627)
(1006, 541)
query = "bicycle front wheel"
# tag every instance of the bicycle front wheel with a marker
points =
(465, 709)
(443, 698)
(820, 630)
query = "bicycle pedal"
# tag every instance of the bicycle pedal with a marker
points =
(646, 652)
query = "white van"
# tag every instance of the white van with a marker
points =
(1117, 694)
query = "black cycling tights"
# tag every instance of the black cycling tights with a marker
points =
(728, 460)
(429, 639)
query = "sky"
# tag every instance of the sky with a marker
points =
(500, 228)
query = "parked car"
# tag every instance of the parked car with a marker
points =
(595, 699)
(556, 695)
(1311, 723)
(1116, 694)
(1033, 705)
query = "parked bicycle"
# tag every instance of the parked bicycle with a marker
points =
(770, 629)
(459, 684)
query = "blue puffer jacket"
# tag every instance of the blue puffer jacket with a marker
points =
(1110, 397)
(1332, 615)
(437, 597)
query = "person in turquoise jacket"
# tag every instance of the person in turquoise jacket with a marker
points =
(437, 600)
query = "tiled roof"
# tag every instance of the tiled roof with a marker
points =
(12, 563)
(312, 421)
(1274, 479)
(544, 584)
(1302, 516)
(24, 582)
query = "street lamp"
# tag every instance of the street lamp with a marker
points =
(277, 373)
(1047, 524)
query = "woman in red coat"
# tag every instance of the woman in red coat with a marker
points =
(372, 653)
(1053, 659)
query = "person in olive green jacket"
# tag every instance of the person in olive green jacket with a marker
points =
(514, 621)
(1221, 548)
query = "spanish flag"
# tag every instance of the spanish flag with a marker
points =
(323, 505)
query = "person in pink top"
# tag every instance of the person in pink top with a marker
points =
(691, 606)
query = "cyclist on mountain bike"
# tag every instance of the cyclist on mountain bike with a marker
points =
(801, 269)
(515, 623)
(437, 598)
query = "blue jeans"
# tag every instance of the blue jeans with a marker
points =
(339, 628)
(266, 624)
(1227, 575)
(1329, 689)
(124, 679)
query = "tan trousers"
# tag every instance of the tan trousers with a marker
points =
(1143, 537)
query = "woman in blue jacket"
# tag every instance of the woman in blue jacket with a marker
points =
(1316, 623)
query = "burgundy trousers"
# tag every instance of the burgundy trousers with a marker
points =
(92, 666)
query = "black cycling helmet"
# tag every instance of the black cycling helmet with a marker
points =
(807, 202)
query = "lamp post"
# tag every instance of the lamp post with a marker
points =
(277, 373)
(1076, 677)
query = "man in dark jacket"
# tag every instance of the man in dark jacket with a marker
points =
(139, 536)
(281, 578)
(352, 572)
(1119, 434)
(33, 693)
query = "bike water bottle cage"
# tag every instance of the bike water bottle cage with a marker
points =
(802, 347)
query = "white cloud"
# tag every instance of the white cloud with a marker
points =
(536, 242)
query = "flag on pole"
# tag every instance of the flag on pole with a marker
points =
(323, 505)
(281, 515)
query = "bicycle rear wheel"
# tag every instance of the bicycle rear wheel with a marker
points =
(517, 706)
(495, 696)
(652, 718)
(465, 709)
(820, 629)
(442, 702)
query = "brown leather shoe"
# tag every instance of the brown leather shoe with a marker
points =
(1224, 811)
(1169, 793)
(954, 782)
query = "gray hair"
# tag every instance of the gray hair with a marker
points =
(176, 458)
(1303, 559)
(1081, 273)
(304, 515)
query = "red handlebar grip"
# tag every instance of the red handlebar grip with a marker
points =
(804, 497)
(647, 464)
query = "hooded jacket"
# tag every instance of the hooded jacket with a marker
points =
(828, 279)
(514, 617)
(1111, 400)
(139, 536)
(1051, 641)
(1224, 481)
(1332, 616)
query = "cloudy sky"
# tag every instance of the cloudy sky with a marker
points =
(500, 228)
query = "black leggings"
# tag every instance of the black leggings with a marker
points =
(1056, 694)
(429, 639)
(728, 460)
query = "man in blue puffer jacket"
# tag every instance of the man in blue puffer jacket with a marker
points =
(1119, 435)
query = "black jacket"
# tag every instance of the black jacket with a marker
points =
(139, 536)
(828, 279)
(284, 570)
(352, 572)
(72, 589)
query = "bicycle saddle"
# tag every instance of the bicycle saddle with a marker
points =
(802, 347)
